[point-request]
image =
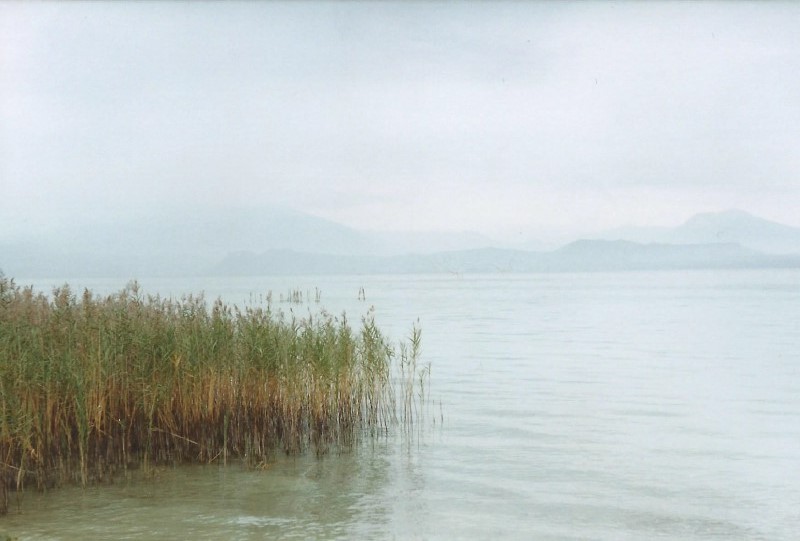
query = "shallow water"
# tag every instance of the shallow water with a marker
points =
(573, 406)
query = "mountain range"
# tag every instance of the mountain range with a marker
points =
(731, 226)
(280, 241)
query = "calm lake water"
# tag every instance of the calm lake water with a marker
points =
(636, 405)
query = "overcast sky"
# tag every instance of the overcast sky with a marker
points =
(520, 117)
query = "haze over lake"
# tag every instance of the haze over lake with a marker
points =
(276, 241)
(524, 122)
(590, 207)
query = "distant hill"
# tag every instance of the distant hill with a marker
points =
(190, 241)
(579, 256)
(279, 241)
(626, 255)
(425, 242)
(732, 226)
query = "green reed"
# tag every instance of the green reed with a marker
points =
(91, 386)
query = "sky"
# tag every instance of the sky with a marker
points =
(509, 119)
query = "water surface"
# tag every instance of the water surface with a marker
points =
(637, 405)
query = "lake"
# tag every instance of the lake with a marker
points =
(638, 405)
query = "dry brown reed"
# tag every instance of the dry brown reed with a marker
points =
(91, 386)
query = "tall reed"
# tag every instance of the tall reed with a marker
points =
(413, 380)
(90, 386)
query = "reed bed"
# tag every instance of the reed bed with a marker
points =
(91, 386)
